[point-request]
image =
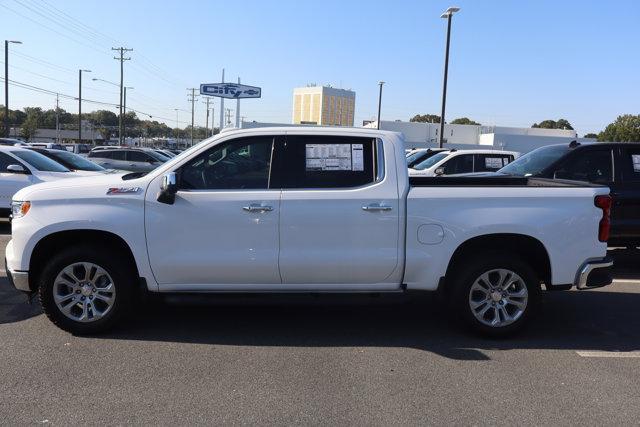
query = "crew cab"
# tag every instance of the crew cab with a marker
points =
(452, 162)
(305, 209)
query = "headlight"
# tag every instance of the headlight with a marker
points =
(19, 209)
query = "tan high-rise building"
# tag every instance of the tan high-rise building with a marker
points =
(323, 105)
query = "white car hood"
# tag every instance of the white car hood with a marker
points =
(415, 172)
(95, 185)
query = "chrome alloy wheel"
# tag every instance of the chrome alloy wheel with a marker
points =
(84, 292)
(498, 298)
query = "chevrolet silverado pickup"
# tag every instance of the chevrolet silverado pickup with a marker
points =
(305, 210)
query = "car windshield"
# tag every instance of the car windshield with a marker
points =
(420, 156)
(40, 162)
(426, 164)
(73, 161)
(535, 161)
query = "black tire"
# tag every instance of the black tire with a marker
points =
(117, 266)
(470, 271)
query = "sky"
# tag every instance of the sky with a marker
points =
(512, 63)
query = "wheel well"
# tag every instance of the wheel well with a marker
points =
(56, 242)
(528, 248)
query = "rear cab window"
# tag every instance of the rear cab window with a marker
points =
(631, 163)
(318, 162)
(491, 162)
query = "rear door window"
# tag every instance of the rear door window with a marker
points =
(462, 163)
(137, 156)
(327, 162)
(588, 165)
(631, 164)
(491, 162)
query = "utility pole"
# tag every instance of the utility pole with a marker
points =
(213, 115)
(222, 106)
(57, 120)
(192, 98)
(6, 85)
(238, 110)
(228, 111)
(380, 103)
(121, 58)
(80, 104)
(124, 110)
(206, 126)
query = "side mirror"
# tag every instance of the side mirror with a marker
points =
(168, 189)
(439, 171)
(16, 169)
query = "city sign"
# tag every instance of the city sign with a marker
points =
(230, 90)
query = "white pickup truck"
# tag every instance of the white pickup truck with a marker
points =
(305, 210)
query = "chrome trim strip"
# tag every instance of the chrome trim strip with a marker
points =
(587, 268)
(20, 280)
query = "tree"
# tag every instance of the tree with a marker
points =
(552, 124)
(464, 121)
(425, 118)
(625, 128)
(31, 124)
(591, 135)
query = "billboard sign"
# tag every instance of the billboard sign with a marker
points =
(230, 90)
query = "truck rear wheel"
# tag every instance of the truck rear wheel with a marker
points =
(85, 290)
(496, 294)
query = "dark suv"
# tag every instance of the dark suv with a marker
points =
(614, 164)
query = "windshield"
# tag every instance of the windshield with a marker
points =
(73, 161)
(426, 164)
(535, 161)
(40, 162)
(419, 156)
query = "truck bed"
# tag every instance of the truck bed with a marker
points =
(494, 181)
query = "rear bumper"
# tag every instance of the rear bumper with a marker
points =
(595, 273)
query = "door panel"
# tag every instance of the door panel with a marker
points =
(340, 234)
(223, 227)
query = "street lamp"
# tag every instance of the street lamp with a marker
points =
(380, 102)
(6, 84)
(446, 15)
(80, 104)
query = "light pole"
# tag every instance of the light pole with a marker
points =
(448, 14)
(6, 84)
(80, 104)
(124, 110)
(380, 102)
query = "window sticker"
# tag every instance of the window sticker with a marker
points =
(505, 161)
(635, 158)
(357, 158)
(330, 157)
(493, 162)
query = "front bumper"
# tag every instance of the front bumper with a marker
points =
(595, 273)
(19, 279)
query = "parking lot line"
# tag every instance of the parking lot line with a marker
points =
(615, 354)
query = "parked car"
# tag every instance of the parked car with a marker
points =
(451, 162)
(71, 161)
(49, 145)
(78, 148)
(21, 167)
(614, 164)
(11, 142)
(304, 209)
(421, 154)
(127, 159)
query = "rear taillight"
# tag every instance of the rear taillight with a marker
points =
(604, 203)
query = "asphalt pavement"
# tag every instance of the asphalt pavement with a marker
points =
(327, 360)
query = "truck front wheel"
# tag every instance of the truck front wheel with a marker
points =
(85, 290)
(496, 294)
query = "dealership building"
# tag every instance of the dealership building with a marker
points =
(323, 105)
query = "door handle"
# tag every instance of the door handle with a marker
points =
(257, 208)
(376, 207)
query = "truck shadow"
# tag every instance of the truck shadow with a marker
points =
(593, 320)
